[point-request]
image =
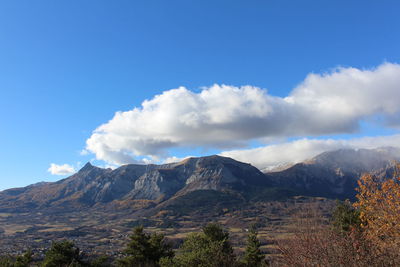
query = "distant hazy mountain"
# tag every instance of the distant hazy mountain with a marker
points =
(330, 174)
(335, 173)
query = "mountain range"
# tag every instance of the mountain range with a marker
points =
(331, 174)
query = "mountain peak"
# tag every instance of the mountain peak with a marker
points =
(88, 166)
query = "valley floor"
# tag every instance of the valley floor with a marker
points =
(104, 232)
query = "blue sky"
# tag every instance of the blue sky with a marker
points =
(66, 67)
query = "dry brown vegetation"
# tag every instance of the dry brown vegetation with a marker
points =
(375, 241)
(316, 243)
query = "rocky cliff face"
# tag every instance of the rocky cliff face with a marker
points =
(93, 185)
(206, 173)
(331, 174)
(85, 188)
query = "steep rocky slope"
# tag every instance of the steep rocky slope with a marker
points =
(331, 174)
(93, 185)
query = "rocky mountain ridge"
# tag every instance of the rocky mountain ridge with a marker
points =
(331, 174)
(92, 185)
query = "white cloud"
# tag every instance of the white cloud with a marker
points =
(84, 152)
(303, 149)
(64, 169)
(223, 116)
(175, 159)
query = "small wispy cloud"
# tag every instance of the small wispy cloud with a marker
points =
(64, 169)
(84, 152)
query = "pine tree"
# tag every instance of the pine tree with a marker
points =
(62, 253)
(345, 217)
(145, 249)
(24, 260)
(6, 261)
(215, 233)
(211, 248)
(19, 261)
(253, 255)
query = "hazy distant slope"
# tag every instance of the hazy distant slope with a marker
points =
(335, 173)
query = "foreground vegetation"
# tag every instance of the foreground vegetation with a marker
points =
(211, 247)
(365, 233)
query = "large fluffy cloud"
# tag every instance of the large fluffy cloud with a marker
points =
(227, 117)
(64, 169)
(271, 156)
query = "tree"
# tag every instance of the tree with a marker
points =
(101, 261)
(215, 233)
(345, 217)
(63, 253)
(253, 255)
(211, 248)
(24, 260)
(145, 249)
(379, 204)
(6, 261)
(19, 261)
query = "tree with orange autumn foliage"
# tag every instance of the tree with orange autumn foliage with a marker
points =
(368, 235)
(379, 206)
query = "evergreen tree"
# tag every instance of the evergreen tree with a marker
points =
(24, 260)
(62, 254)
(101, 261)
(145, 249)
(253, 256)
(211, 248)
(345, 217)
(6, 261)
(215, 233)
(19, 261)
